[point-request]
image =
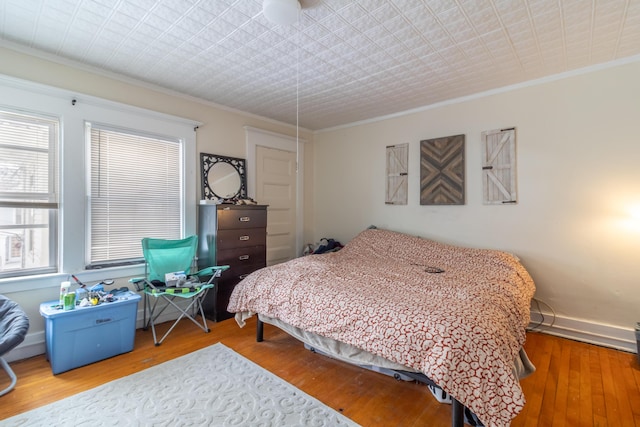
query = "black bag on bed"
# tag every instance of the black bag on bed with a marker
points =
(331, 245)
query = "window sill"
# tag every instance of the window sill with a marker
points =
(44, 281)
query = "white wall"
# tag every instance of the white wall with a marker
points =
(578, 154)
(222, 132)
(578, 180)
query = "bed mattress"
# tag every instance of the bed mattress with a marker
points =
(458, 315)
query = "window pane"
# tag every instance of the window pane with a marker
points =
(28, 194)
(136, 192)
(27, 153)
(26, 240)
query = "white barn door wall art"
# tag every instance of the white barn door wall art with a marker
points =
(397, 174)
(499, 166)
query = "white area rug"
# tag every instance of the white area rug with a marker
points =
(214, 386)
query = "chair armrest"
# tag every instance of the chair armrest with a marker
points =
(212, 271)
(140, 283)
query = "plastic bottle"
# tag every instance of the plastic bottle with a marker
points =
(64, 289)
(69, 301)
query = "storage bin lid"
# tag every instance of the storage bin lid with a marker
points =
(51, 309)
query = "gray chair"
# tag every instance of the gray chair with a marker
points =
(14, 325)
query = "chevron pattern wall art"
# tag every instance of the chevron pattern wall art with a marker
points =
(442, 171)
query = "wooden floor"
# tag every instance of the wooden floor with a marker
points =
(575, 384)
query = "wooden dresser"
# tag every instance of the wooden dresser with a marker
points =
(235, 236)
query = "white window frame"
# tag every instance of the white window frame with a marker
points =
(74, 109)
(41, 201)
(177, 214)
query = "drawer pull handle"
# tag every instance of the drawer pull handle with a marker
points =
(245, 218)
(244, 237)
(243, 257)
(242, 276)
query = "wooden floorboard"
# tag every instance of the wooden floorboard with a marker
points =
(597, 387)
(575, 384)
(631, 385)
(537, 381)
(586, 404)
(573, 389)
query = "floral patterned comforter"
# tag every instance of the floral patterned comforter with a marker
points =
(456, 314)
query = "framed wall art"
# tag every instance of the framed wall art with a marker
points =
(397, 174)
(442, 171)
(499, 167)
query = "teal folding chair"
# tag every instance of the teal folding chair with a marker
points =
(173, 256)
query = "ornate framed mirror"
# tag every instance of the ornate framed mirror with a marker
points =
(224, 178)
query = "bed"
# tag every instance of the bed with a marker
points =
(456, 315)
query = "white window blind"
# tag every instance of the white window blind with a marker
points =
(135, 192)
(28, 194)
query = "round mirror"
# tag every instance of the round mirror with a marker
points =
(224, 180)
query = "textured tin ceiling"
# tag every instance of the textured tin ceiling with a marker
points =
(354, 60)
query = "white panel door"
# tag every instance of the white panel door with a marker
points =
(276, 187)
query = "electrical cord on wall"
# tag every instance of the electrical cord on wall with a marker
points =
(537, 326)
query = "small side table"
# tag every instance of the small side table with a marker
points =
(85, 335)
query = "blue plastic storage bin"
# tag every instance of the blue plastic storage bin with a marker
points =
(85, 335)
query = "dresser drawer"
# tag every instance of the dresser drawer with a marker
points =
(241, 218)
(237, 257)
(238, 238)
(237, 272)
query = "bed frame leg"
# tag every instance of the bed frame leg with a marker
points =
(457, 414)
(260, 331)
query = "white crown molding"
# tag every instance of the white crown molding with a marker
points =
(73, 97)
(129, 80)
(504, 89)
(138, 83)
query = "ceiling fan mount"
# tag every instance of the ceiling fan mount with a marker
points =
(281, 12)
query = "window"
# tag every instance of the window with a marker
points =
(28, 194)
(135, 192)
(51, 225)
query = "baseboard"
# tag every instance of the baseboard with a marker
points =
(565, 327)
(585, 331)
(33, 345)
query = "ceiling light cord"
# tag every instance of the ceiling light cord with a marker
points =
(287, 12)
